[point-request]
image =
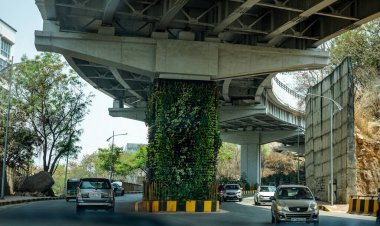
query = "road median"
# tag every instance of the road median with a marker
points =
(10, 200)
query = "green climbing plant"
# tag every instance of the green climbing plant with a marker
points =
(184, 137)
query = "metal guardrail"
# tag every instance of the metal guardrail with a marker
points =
(287, 89)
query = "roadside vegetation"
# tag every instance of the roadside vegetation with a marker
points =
(48, 104)
(124, 164)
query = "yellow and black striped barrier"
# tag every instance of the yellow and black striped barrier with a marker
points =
(248, 192)
(367, 205)
(191, 206)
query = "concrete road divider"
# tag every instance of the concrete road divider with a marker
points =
(24, 199)
(190, 206)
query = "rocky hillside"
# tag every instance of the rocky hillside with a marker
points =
(368, 164)
(367, 136)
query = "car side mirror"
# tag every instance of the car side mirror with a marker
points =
(317, 198)
(272, 198)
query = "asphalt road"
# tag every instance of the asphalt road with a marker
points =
(60, 212)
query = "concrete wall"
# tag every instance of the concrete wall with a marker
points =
(338, 86)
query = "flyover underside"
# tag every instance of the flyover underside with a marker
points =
(124, 68)
(296, 24)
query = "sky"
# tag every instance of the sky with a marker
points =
(24, 16)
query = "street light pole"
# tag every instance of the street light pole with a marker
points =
(298, 156)
(111, 152)
(111, 155)
(6, 133)
(331, 141)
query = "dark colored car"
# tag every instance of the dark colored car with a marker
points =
(71, 189)
(119, 190)
(95, 193)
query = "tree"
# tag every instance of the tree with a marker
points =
(138, 159)
(278, 166)
(109, 159)
(88, 167)
(363, 45)
(21, 139)
(305, 79)
(53, 100)
(228, 161)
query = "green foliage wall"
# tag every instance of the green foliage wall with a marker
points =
(183, 137)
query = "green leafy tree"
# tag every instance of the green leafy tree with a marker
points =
(59, 179)
(138, 159)
(54, 103)
(363, 45)
(228, 161)
(109, 159)
(21, 139)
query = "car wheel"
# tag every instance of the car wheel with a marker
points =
(80, 210)
(122, 193)
(241, 199)
(67, 199)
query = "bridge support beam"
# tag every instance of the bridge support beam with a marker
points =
(178, 59)
(250, 163)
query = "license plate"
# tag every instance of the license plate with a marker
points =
(95, 195)
(298, 219)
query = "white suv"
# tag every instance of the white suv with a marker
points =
(232, 192)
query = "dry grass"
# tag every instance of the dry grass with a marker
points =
(367, 103)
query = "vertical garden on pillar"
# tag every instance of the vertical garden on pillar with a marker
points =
(184, 139)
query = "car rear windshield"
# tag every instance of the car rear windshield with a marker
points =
(294, 193)
(232, 187)
(71, 185)
(267, 189)
(95, 184)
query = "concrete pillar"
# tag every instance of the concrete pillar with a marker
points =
(250, 163)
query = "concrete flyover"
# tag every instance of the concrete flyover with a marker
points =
(121, 47)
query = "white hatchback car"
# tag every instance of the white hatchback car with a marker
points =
(263, 194)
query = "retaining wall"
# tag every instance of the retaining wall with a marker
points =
(338, 86)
